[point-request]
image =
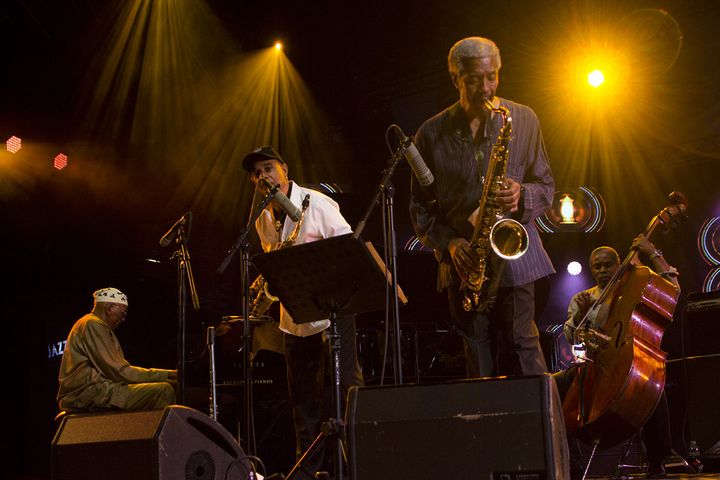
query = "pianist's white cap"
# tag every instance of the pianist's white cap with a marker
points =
(110, 295)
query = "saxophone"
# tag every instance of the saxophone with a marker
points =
(259, 292)
(505, 236)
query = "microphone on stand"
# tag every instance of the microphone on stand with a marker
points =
(288, 207)
(419, 167)
(186, 219)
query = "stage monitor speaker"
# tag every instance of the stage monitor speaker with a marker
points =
(700, 366)
(702, 324)
(491, 428)
(701, 397)
(176, 443)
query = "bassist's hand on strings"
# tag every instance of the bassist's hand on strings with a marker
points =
(584, 301)
(660, 265)
(642, 244)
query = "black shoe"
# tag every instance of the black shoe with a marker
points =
(576, 470)
(656, 471)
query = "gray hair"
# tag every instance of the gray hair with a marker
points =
(471, 47)
(610, 250)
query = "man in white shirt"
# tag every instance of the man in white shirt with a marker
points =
(305, 350)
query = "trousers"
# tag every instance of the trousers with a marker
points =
(504, 341)
(306, 359)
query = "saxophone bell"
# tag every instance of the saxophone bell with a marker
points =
(509, 239)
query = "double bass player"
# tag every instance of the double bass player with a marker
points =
(604, 263)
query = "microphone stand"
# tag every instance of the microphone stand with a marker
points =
(387, 190)
(184, 269)
(213, 384)
(242, 245)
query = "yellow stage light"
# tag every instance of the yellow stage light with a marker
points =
(596, 78)
(567, 210)
(278, 46)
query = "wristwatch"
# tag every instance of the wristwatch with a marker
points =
(656, 254)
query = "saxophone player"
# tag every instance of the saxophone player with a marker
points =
(304, 343)
(456, 144)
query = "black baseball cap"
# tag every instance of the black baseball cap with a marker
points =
(265, 152)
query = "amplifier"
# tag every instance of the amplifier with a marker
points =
(492, 428)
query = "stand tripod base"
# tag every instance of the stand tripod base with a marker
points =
(330, 430)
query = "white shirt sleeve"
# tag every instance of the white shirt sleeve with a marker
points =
(322, 220)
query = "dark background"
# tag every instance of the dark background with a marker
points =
(366, 65)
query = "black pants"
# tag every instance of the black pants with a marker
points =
(306, 360)
(503, 342)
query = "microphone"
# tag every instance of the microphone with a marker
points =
(170, 235)
(288, 207)
(419, 167)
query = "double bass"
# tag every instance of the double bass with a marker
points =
(617, 389)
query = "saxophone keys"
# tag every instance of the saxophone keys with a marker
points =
(470, 302)
(467, 305)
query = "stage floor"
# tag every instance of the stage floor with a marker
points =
(673, 476)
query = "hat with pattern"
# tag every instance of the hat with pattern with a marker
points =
(110, 295)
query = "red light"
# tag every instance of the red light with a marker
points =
(61, 161)
(13, 144)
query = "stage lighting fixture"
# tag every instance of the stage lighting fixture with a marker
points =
(278, 46)
(567, 211)
(709, 246)
(574, 268)
(574, 209)
(60, 161)
(413, 245)
(13, 144)
(596, 78)
(712, 281)
(708, 240)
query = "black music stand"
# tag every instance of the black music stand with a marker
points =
(318, 280)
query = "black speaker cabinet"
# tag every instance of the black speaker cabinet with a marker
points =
(702, 324)
(491, 428)
(175, 443)
(701, 401)
(700, 368)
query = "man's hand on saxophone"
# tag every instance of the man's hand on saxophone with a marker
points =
(463, 256)
(508, 199)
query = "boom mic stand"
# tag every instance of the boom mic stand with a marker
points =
(386, 189)
(242, 244)
(180, 232)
